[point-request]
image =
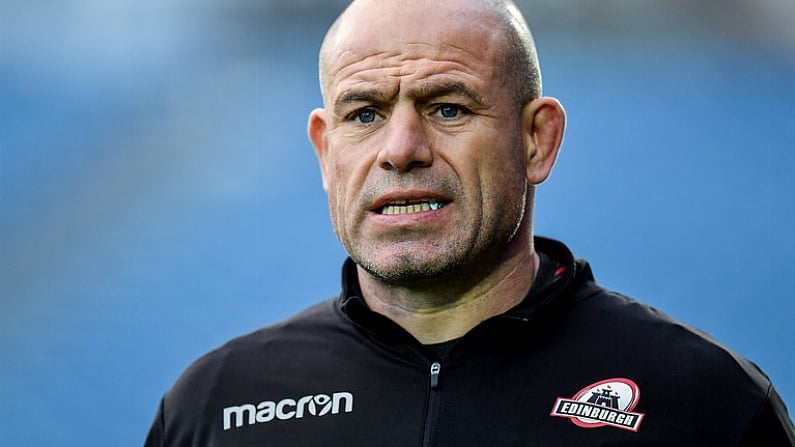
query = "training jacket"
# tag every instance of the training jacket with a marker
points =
(572, 365)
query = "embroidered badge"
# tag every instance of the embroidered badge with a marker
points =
(608, 402)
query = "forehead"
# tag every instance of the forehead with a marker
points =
(382, 40)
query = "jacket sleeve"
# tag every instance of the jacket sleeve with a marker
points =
(156, 437)
(771, 426)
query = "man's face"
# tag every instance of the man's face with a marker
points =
(421, 148)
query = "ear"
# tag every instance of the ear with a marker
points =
(543, 121)
(317, 130)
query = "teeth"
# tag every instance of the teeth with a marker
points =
(411, 208)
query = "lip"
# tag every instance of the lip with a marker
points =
(407, 197)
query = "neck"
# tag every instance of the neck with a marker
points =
(447, 312)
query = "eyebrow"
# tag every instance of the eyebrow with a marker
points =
(436, 89)
(358, 96)
(423, 93)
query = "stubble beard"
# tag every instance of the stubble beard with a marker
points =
(462, 261)
(413, 270)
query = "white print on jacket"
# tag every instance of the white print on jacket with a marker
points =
(266, 411)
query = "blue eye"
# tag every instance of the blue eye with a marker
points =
(450, 111)
(366, 116)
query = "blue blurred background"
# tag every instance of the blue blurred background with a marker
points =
(158, 195)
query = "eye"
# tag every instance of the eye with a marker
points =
(450, 111)
(365, 116)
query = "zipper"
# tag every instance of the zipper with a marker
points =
(434, 406)
(435, 368)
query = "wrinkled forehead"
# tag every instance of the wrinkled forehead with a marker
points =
(376, 30)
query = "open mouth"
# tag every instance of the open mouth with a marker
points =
(412, 206)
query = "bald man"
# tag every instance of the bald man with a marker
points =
(456, 326)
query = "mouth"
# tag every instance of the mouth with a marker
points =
(410, 206)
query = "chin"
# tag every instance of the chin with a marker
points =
(407, 270)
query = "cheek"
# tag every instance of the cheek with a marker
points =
(334, 188)
(501, 173)
(341, 193)
(336, 195)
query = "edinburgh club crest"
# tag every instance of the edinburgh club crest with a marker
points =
(606, 403)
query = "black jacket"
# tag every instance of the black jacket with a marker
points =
(572, 365)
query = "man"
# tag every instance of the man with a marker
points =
(455, 326)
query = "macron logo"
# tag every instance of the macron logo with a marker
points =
(266, 411)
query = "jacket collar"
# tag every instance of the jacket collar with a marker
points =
(538, 306)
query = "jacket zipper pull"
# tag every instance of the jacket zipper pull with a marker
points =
(435, 368)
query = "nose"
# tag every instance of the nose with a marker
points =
(406, 144)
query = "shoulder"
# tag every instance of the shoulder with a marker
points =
(272, 342)
(656, 337)
(249, 368)
(686, 375)
(255, 358)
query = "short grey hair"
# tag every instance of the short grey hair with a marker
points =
(520, 60)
